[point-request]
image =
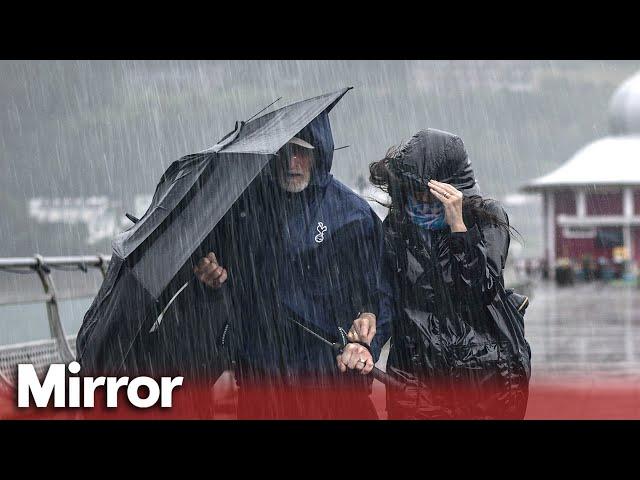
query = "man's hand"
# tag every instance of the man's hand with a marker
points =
(363, 328)
(209, 272)
(356, 357)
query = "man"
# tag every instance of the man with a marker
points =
(298, 246)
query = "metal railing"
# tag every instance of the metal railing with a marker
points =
(59, 347)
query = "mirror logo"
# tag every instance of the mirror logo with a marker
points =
(55, 383)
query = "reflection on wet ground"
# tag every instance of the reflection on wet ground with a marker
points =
(591, 329)
(585, 353)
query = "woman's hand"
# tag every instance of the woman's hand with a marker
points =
(355, 357)
(451, 199)
(363, 328)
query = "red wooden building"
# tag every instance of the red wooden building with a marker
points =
(591, 203)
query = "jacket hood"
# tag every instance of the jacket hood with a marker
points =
(439, 155)
(318, 133)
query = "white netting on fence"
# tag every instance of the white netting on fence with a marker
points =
(40, 354)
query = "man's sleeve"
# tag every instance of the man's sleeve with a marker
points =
(212, 307)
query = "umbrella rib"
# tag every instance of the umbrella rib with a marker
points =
(155, 326)
(256, 114)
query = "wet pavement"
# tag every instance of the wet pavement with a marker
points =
(585, 343)
(590, 329)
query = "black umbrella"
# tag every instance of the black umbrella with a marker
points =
(150, 259)
(199, 189)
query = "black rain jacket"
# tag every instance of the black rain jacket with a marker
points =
(457, 339)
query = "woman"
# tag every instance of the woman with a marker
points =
(458, 339)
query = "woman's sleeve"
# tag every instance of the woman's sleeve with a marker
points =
(387, 309)
(477, 257)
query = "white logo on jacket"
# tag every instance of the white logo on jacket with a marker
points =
(319, 238)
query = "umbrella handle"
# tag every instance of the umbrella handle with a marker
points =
(387, 379)
(378, 374)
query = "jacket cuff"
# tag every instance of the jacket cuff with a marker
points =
(463, 241)
(369, 308)
(215, 294)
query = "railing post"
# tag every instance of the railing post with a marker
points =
(55, 325)
(104, 264)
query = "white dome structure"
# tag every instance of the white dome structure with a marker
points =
(624, 108)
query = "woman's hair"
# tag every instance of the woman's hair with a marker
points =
(382, 176)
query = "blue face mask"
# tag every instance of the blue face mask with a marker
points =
(426, 215)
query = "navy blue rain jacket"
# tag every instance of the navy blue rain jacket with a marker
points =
(313, 256)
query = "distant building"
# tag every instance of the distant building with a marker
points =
(591, 204)
(103, 217)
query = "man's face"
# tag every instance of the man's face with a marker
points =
(293, 166)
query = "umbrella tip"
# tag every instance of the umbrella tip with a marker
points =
(340, 148)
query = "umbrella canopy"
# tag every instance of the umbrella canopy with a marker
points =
(197, 190)
(191, 198)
